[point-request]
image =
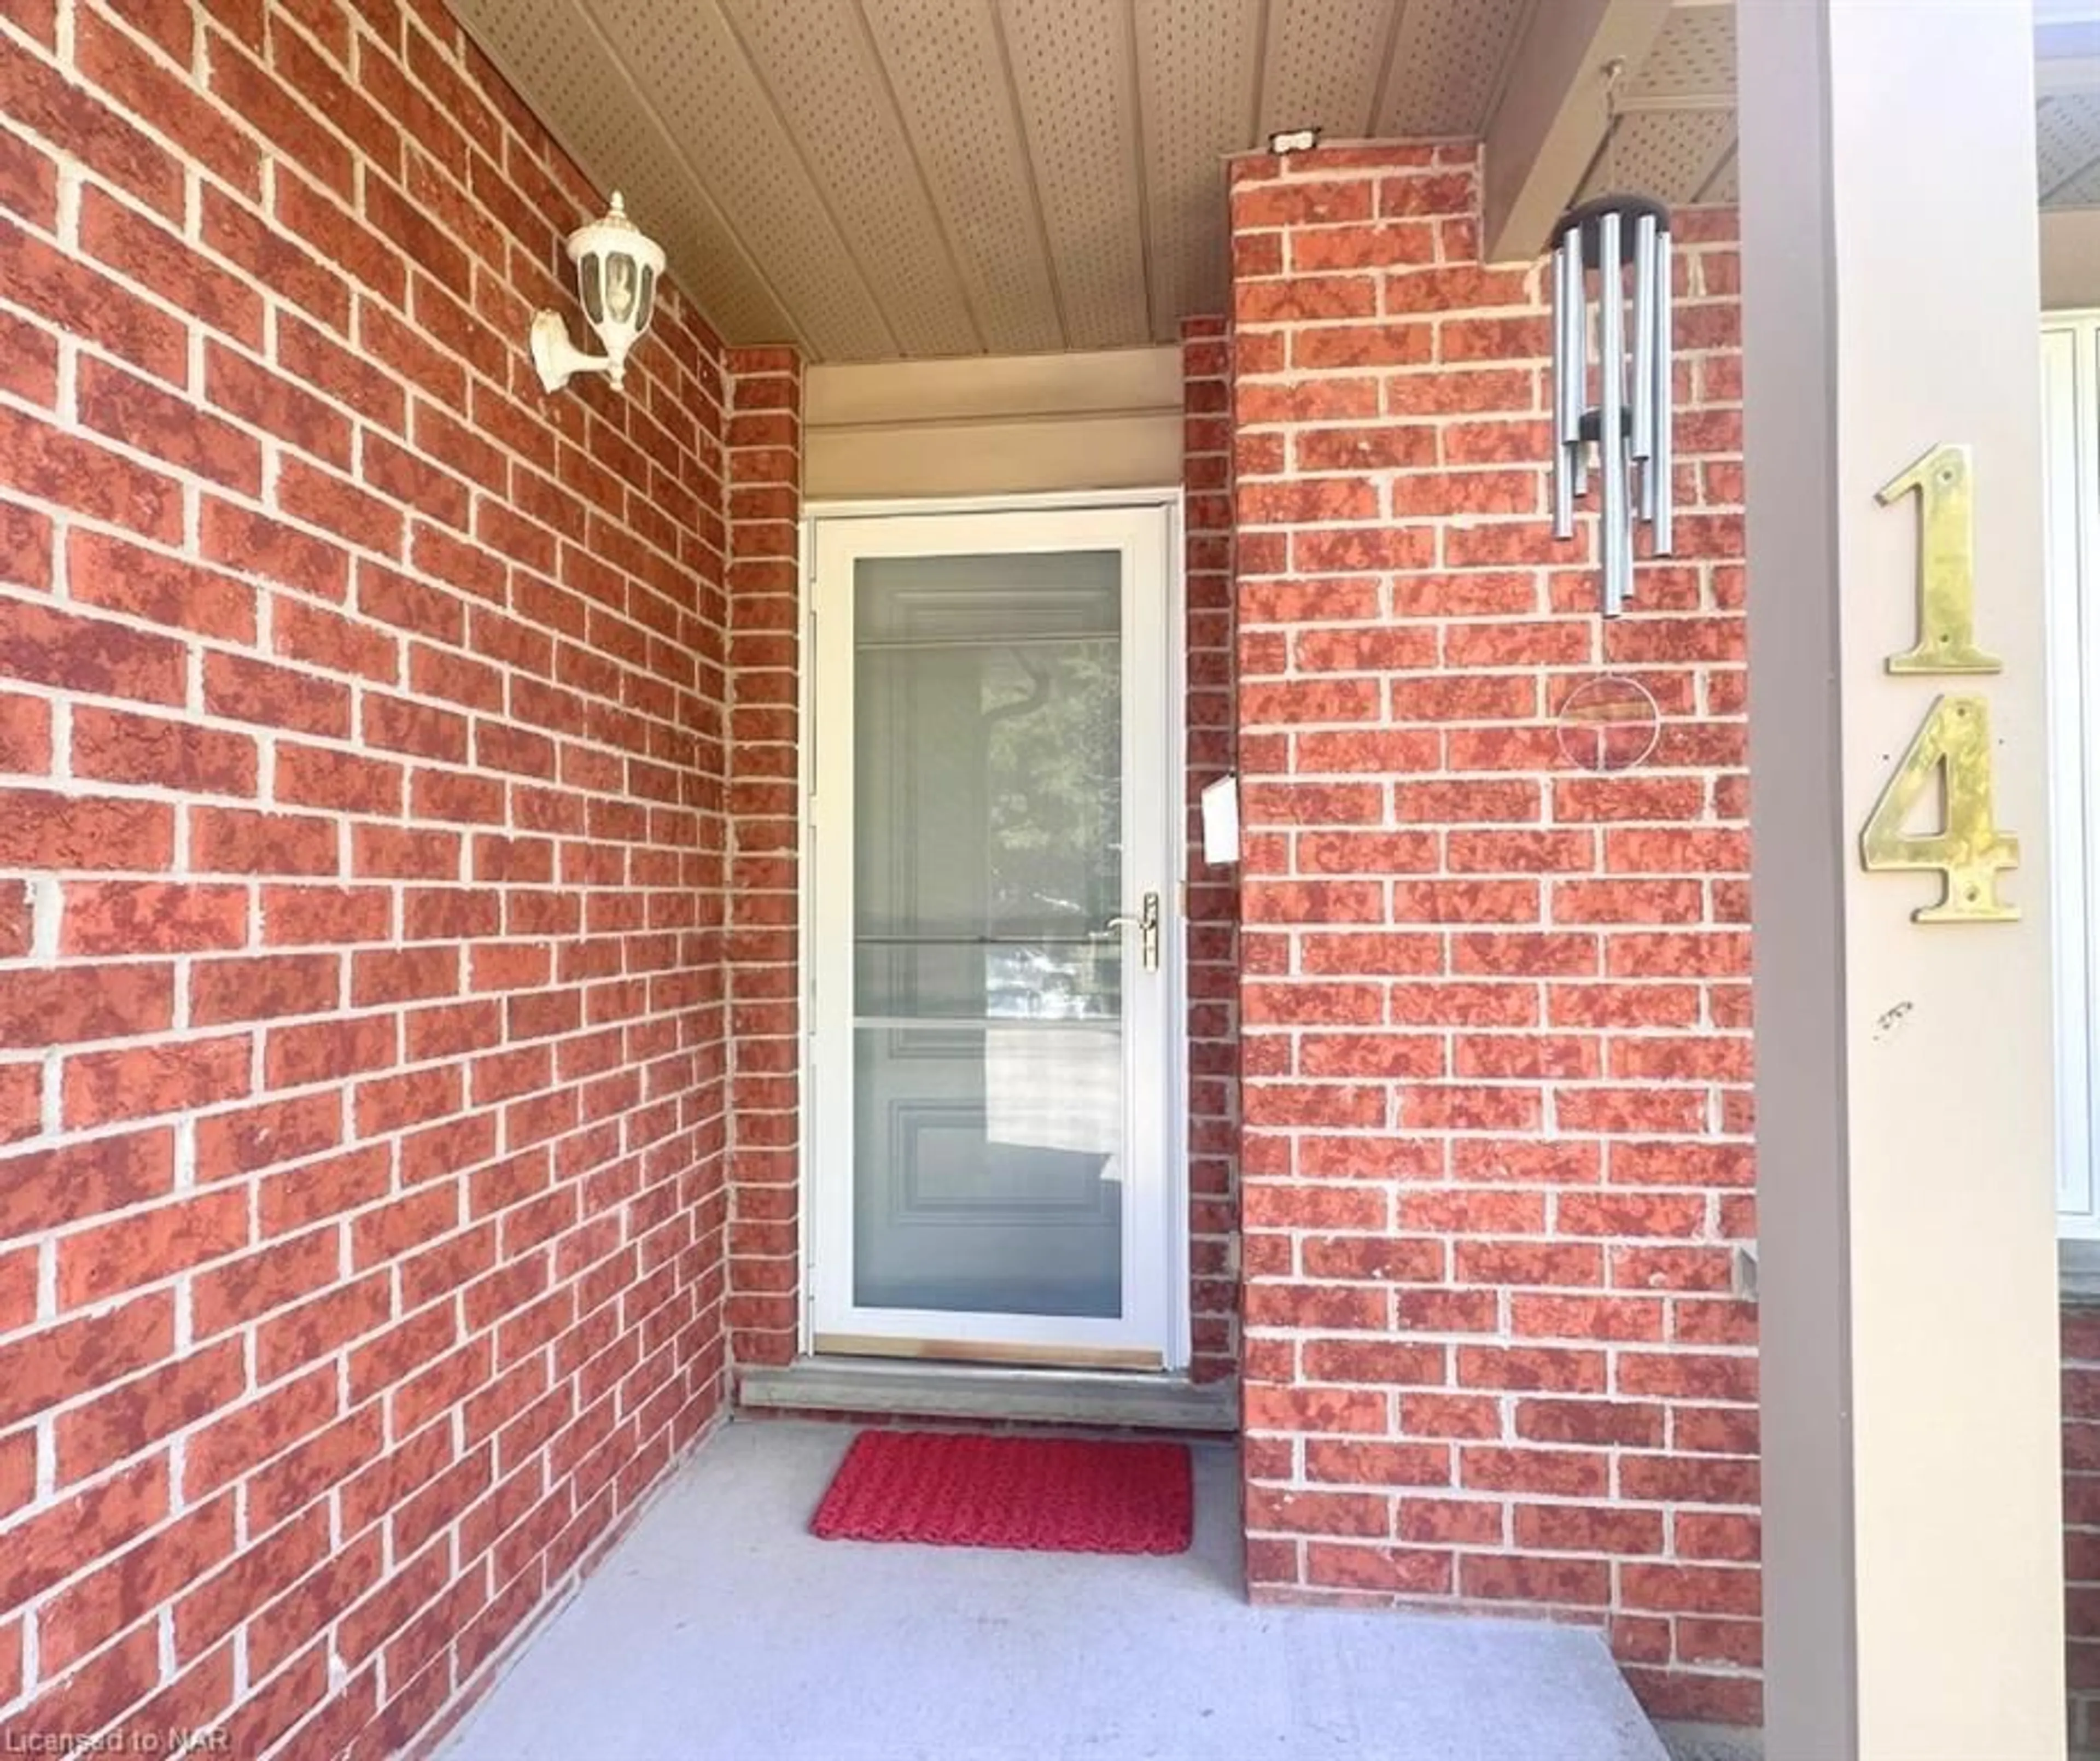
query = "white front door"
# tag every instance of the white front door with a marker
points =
(995, 937)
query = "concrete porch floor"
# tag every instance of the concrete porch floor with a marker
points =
(720, 1628)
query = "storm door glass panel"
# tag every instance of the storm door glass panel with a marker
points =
(988, 834)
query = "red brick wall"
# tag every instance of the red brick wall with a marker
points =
(361, 809)
(1213, 901)
(764, 466)
(1496, 1017)
(2081, 1522)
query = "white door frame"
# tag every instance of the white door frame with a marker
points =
(1169, 1258)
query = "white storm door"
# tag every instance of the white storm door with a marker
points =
(991, 834)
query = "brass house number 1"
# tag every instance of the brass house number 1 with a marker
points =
(1953, 747)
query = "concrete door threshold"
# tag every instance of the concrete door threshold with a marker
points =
(997, 1392)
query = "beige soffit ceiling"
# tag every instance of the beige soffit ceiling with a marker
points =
(887, 179)
(1675, 135)
(2068, 103)
(878, 179)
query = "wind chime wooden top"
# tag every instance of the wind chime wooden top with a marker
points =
(1595, 244)
(1585, 218)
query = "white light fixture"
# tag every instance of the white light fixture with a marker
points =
(1605, 243)
(617, 270)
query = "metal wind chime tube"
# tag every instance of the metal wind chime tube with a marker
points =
(1644, 356)
(1660, 469)
(1571, 378)
(1569, 371)
(1595, 247)
(1616, 534)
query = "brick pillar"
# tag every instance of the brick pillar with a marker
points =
(764, 464)
(2081, 1523)
(1496, 1025)
(1213, 902)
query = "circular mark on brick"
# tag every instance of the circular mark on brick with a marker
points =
(1610, 723)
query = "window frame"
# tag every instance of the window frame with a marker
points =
(2069, 365)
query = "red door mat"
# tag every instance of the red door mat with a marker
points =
(1047, 1494)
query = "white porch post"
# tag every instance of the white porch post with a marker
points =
(1913, 1588)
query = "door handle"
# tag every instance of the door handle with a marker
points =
(1146, 922)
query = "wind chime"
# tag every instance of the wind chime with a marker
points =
(1598, 246)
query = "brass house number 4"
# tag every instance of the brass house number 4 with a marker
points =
(1953, 747)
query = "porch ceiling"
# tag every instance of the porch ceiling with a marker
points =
(874, 179)
(1676, 134)
(884, 180)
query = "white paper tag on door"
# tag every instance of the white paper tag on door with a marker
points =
(1221, 820)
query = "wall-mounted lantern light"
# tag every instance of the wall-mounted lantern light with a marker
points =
(617, 270)
(1603, 243)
